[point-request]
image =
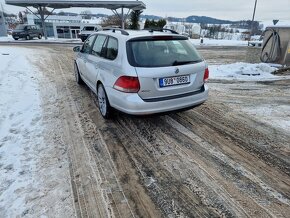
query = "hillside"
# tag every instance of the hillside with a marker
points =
(200, 19)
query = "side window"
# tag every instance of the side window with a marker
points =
(111, 51)
(98, 46)
(87, 47)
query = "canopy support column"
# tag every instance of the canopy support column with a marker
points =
(41, 12)
(122, 16)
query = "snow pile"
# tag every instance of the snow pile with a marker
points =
(243, 71)
(6, 38)
(219, 42)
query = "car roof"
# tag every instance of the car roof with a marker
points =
(130, 34)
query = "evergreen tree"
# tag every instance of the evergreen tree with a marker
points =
(134, 18)
(20, 17)
(155, 24)
(147, 23)
(161, 23)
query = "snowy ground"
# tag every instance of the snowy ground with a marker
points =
(36, 40)
(34, 178)
(220, 42)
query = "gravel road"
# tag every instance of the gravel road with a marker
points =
(216, 160)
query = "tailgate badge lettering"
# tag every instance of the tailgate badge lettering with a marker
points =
(176, 71)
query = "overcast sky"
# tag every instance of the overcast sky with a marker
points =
(221, 9)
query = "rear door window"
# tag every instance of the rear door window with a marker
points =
(98, 48)
(111, 50)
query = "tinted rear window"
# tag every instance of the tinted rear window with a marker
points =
(161, 53)
(89, 28)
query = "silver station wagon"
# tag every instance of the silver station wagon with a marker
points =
(142, 72)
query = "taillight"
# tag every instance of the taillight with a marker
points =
(128, 84)
(206, 75)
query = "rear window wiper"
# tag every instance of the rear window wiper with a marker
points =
(176, 63)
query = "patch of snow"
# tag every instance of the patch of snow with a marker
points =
(36, 40)
(275, 115)
(19, 121)
(219, 42)
(6, 38)
(244, 72)
(30, 183)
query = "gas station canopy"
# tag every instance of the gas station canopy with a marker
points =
(58, 4)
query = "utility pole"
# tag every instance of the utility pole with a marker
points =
(253, 18)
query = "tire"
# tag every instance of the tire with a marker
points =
(39, 36)
(15, 38)
(103, 102)
(79, 80)
(28, 37)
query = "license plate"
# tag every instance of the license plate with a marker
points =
(172, 81)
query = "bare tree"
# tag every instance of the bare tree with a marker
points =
(113, 20)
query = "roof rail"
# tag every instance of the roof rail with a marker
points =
(114, 29)
(151, 30)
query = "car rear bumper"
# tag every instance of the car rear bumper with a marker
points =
(132, 103)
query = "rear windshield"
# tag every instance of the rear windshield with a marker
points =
(161, 53)
(89, 28)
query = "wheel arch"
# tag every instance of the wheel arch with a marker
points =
(99, 82)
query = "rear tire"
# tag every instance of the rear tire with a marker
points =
(15, 38)
(103, 102)
(39, 36)
(28, 37)
(79, 80)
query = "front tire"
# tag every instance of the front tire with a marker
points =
(79, 80)
(103, 102)
(28, 37)
(39, 36)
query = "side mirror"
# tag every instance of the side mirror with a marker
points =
(77, 49)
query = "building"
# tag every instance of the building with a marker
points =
(61, 26)
(188, 29)
(3, 31)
